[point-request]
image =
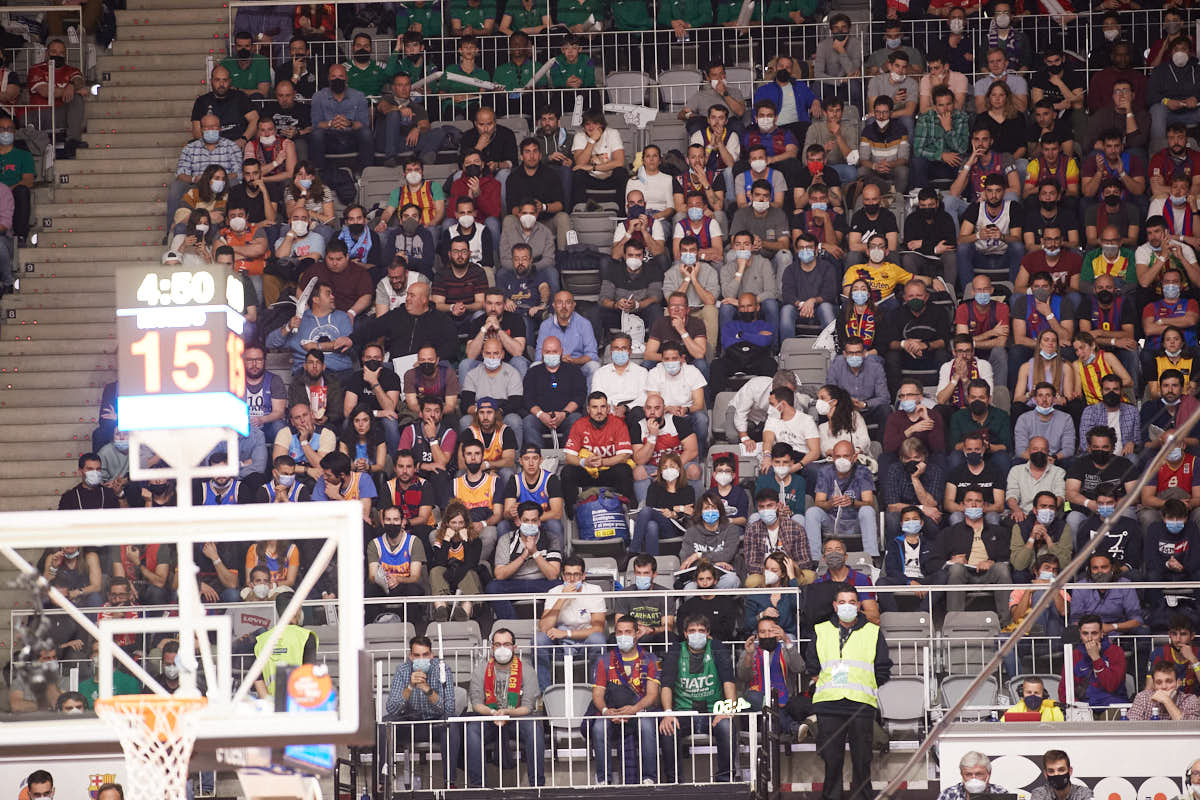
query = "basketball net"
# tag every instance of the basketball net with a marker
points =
(157, 733)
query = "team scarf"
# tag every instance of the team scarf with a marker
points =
(357, 250)
(960, 392)
(1169, 216)
(778, 675)
(616, 669)
(513, 687)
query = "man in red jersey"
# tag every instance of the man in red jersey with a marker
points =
(598, 453)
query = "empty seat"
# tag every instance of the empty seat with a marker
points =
(742, 78)
(902, 706)
(675, 86)
(376, 184)
(517, 124)
(594, 228)
(523, 630)
(565, 710)
(458, 644)
(630, 88)
(389, 636)
(800, 344)
(668, 133)
(970, 640)
(979, 705)
(908, 634)
(601, 571)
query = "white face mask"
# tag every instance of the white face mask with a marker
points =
(957, 25)
(237, 224)
(414, 178)
(782, 472)
(847, 612)
(633, 263)
(267, 140)
(842, 465)
(822, 407)
(300, 227)
(503, 655)
(770, 577)
(201, 227)
(1003, 21)
(975, 785)
(466, 220)
(760, 206)
(875, 254)
(217, 186)
(93, 477)
(527, 221)
(724, 478)
(1179, 58)
(170, 671)
(758, 165)
(714, 84)
(624, 642)
(261, 590)
(670, 474)
(766, 124)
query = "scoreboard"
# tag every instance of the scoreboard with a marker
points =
(179, 333)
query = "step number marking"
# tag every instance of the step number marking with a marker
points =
(47, 222)
(12, 313)
(29, 266)
(106, 76)
(64, 178)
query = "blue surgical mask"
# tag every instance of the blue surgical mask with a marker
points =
(529, 529)
(807, 255)
(620, 357)
(286, 481)
(624, 642)
(819, 206)
(1051, 252)
(695, 213)
(672, 367)
(305, 183)
(1049, 356)
(1045, 412)
(491, 364)
(122, 445)
(742, 254)
(710, 516)
(860, 297)
(1046, 575)
(973, 512)
(1175, 454)
(847, 612)
(768, 515)
(643, 582)
(908, 406)
(1105, 511)
(854, 362)
(697, 641)
(211, 137)
(551, 360)
(1171, 291)
(422, 665)
(1045, 515)
(6, 138)
(983, 298)
(911, 526)
(687, 258)
(1174, 525)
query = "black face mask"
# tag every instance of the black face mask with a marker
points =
(1058, 782)
(978, 407)
(1105, 296)
(414, 58)
(1039, 459)
(746, 316)
(1049, 205)
(244, 54)
(159, 489)
(1101, 457)
(911, 467)
(356, 229)
(768, 643)
(1112, 200)
(393, 530)
(926, 213)
(871, 208)
(841, 37)
(58, 61)
(373, 364)
(427, 368)
(783, 76)
(1034, 703)
(338, 85)
(974, 458)
(362, 55)
(472, 170)
(1058, 69)
(1112, 398)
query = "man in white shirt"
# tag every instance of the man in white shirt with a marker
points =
(392, 290)
(791, 427)
(681, 386)
(623, 380)
(572, 621)
(656, 185)
(751, 407)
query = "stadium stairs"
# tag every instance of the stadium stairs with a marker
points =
(107, 206)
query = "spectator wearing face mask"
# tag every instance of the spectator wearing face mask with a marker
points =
(1116, 609)
(1042, 532)
(341, 122)
(843, 502)
(1172, 551)
(769, 641)
(89, 492)
(1033, 699)
(910, 559)
(838, 59)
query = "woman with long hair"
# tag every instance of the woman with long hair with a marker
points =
(670, 502)
(859, 317)
(362, 440)
(306, 189)
(280, 556)
(455, 548)
(210, 192)
(1046, 365)
(711, 535)
(194, 242)
(1005, 122)
(842, 421)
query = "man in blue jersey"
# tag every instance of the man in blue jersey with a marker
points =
(536, 485)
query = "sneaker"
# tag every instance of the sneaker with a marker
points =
(441, 614)
(647, 781)
(460, 614)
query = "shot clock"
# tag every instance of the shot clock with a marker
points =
(179, 332)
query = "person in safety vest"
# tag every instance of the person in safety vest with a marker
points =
(697, 673)
(851, 658)
(295, 647)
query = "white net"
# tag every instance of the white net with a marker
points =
(157, 733)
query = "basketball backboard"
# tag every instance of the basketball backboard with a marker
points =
(333, 528)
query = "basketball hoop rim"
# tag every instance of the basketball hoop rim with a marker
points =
(151, 707)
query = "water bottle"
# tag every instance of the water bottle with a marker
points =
(1155, 714)
(1124, 715)
(995, 716)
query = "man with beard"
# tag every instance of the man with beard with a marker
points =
(392, 290)
(303, 440)
(377, 389)
(479, 491)
(319, 388)
(231, 106)
(458, 289)
(266, 395)
(222, 490)
(406, 329)
(527, 290)
(598, 453)
(338, 482)
(432, 443)
(497, 437)
(321, 330)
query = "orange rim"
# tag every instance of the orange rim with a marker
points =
(152, 708)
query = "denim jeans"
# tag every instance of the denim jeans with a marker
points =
(531, 750)
(672, 744)
(532, 429)
(645, 729)
(824, 313)
(649, 526)
(817, 521)
(548, 651)
(328, 140)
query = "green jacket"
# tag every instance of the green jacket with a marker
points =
(398, 63)
(248, 79)
(473, 16)
(630, 15)
(513, 77)
(576, 12)
(583, 68)
(429, 17)
(369, 79)
(522, 18)
(697, 13)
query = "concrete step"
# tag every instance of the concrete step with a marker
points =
(35, 317)
(81, 239)
(57, 379)
(165, 5)
(128, 160)
(177, 89)
(131, 20)
(41, 488)
(64, 431)
(48, 414)
(57, 294)
(62, 466)
(112, 212)
(77, 178)
(120, 67)
(142, 222)
(180, 110)
(103, 141)
(37, 284)
(104, 194)
(68, 332)
(179, 125)
(170, 30)
(173, 44)
(56, 347)
(74, 269)
(91, 155)
(44, 257)
(38, 502)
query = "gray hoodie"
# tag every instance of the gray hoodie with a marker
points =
(718, 546)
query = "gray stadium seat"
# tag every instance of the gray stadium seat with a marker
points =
(675, 86)
(632, 88)
(980, 703)
(376, 183)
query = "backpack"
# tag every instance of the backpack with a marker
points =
(600, 516)
(581, 258)
(341, 182)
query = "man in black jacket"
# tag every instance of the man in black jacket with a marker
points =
(407, 329)
(975, 552)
